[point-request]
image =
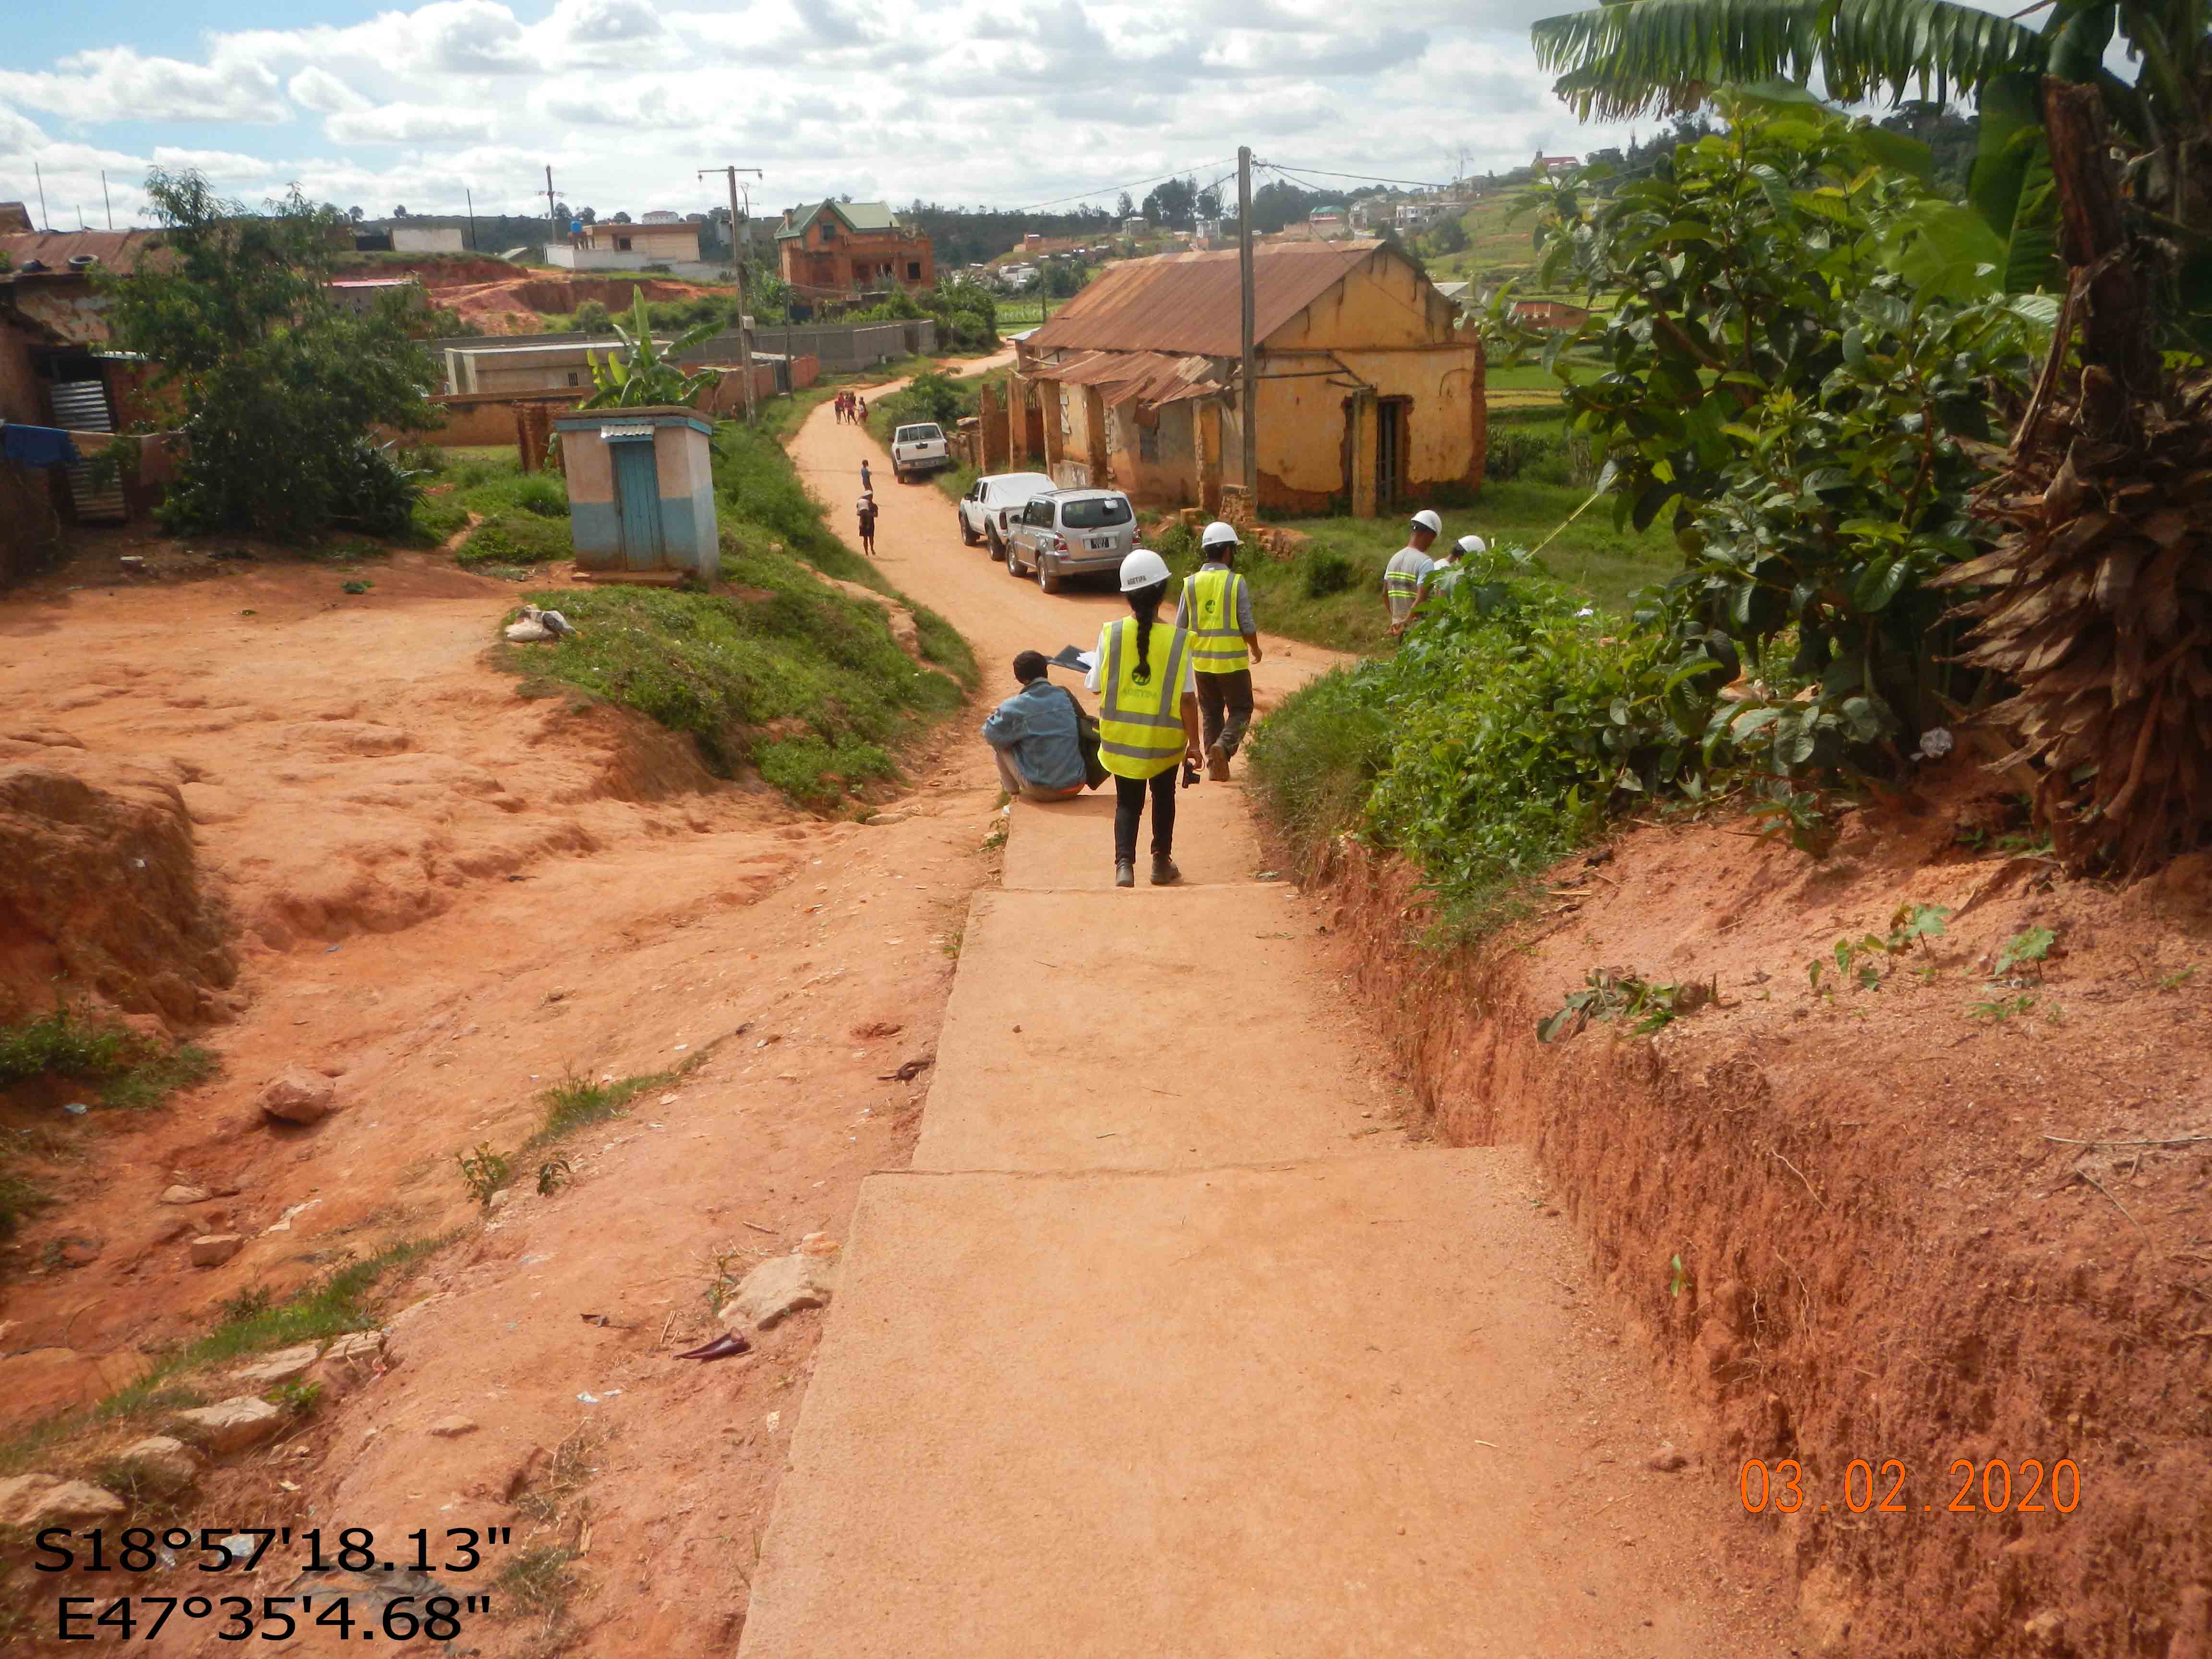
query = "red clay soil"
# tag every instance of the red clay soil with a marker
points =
(1909, 1232)
(447, 894)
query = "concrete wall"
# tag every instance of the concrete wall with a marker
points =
(843, 348)
(427, 239)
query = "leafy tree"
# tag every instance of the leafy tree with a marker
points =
(1209, 203)
(399, 212)
(1804, 352)
(354, 214)
(279, 388)
(1172, 204)
(586, 215)
(1644, 55)
(1064, 278)
(643, 372)
(1123, 207)
(621, 218)
(1446, 235)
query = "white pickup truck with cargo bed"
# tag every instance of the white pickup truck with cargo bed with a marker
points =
(984, 509)
(918, 449)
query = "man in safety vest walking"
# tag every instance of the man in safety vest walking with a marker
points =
(1409, 567)
(1216, 606)
(1147, 716)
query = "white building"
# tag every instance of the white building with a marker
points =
(427, 239)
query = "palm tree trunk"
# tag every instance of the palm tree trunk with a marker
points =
(2120, 332)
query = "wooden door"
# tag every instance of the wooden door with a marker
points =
(1389, 452)
(637, 503)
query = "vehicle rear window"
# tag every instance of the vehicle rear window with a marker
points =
(915, 434)
(1094, 514)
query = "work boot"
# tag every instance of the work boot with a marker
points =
(1165, 874)
(1125, 872)
(1216, 761)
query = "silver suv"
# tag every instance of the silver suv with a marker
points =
(1070, 533)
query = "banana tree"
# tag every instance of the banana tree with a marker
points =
(1656, 55)
(643, 372)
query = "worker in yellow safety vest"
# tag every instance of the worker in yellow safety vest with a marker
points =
(1216, 606)
(1147, 715)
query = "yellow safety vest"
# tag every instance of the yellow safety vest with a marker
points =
(1140, 731)
(1216, 643)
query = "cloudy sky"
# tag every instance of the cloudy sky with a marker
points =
(1008, 103)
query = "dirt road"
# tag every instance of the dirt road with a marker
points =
(1170, 1341)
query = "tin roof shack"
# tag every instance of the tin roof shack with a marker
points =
(1369, 392)
(610, 247)
(56, 370)
(844, 250)
(641, 491)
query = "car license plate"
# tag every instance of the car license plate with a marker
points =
(1101, 543)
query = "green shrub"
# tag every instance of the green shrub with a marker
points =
(543, 494)
(1489, 745)
(516, 538)
(818, 773)
(118, 1068)
(1327, 572)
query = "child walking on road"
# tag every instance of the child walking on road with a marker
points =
(865, 510)
(1147, 716)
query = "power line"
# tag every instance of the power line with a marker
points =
(1106, 190)
(1365, 178)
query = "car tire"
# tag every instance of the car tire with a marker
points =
(993, 546)
(968, 537)
(1013, 561)
(1048, 577)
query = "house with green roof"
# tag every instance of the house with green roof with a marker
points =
(838, 250)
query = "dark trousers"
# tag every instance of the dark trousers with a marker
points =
(1225, 709)
(1129, 806)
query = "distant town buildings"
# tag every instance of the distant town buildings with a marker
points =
(659, 238)
(427, 239)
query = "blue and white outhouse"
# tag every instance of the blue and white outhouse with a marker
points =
(641, 488)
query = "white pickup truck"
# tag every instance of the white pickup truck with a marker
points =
(918, 449)
(984, 508)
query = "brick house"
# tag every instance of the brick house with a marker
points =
(842, 250)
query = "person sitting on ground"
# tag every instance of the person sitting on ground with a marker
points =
(1032, 736)
(865, 510)
(1409, 567)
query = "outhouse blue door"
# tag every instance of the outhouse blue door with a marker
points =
(637, 501)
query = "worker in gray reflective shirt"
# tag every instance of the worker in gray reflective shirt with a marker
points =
(1409, 567)
(1032, 736)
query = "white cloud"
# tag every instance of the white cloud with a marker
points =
(114, 83)
(976, 101)
(408, 123)
(319, 90)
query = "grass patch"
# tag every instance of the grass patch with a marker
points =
(253, 1322)
(118, 1068)
(1331, 594)
(945, 646)
(515, 539)
(576, 1102)
(739, 674)
(818, 774)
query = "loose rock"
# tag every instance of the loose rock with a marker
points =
(1666, 1459)
(29, 1501)
(777, 1289)
(279, 1367)
(213, 1249)
(181, 1194)
(453, 1428)
(230, 1425)
(160, 1462)
(299, 1097)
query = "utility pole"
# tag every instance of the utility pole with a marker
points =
(108, 200)
(45, 219)
(1247, 313)
(552, 207)
(471, 196)
(738, 270)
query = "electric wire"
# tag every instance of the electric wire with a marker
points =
(1109, 189)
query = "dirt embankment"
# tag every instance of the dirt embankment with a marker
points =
(1921, 1223)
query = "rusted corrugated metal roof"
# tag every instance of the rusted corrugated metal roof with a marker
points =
(1187, 303)
(1148, 377)
(116, 250)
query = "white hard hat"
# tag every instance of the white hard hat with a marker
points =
(1218, 534)
(1430, 522)
(1142, 568)
(1472, 545)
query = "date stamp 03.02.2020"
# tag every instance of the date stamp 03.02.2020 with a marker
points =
(1994, 1485)
(335, 1578)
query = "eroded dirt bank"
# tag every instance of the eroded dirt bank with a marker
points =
(1923, 1223)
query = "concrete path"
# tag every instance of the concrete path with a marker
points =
(1170, 1343)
